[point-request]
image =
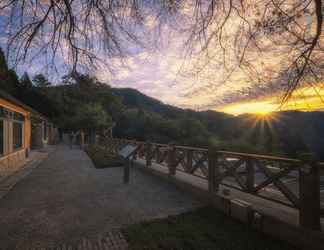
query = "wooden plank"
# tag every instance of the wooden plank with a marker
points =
(148, 154)
(226, 153)
(189, 154)
(261, 157)
(281, 186)
(197, 164)
(250, 178)
(172, 160)
(163, 156)
(157, 153)
(272, 178)
(239, 180)
(309, 190)
(179, 159)
(213, 183)
(231, 169)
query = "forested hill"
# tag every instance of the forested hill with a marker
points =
(133, 98)
(81, 101)
(285, 133)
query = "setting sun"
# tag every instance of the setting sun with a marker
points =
(304, 99)
(261, 108)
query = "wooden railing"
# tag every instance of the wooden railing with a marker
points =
(291, 182)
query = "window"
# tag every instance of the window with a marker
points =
(17, 134)
(1, 137)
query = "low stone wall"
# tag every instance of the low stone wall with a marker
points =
(12, 162)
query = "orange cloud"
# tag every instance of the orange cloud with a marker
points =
(303, 99)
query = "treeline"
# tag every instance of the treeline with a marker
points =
(81, 101)
(283, 133)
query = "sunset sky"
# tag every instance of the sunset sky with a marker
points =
(162, 70)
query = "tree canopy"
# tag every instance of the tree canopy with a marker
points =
(273, 41)
(81, 102)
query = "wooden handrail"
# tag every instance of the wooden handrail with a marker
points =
(205, 163)
(192, 148)
(229, 153)
(263, 157)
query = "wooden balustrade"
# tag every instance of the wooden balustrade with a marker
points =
(292, 182)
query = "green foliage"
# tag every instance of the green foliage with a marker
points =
(87, 116)
(101, 158)
(25, 82)
(205, 228)
(8, 79)
(81, 101)
(84, 103)
(3, 63)
(287, 133)
(41, 81)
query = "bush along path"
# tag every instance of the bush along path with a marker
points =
(101, 158)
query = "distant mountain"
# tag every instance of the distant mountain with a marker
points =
(286, 132)
(137, 116)
(133, 98)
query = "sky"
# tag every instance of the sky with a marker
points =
(163, 72)
(162, 69)
(156, 75)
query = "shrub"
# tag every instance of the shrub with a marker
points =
(102, 158)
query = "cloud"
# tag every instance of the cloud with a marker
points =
(211, 81)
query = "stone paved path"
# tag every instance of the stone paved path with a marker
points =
(113, 240)
(33, 161)
(66, 199)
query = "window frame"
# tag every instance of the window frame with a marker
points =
(14, 149)
(9, 118)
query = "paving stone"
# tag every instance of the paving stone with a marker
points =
(6, 184)
(66, 199)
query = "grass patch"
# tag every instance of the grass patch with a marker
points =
(101, 158)
(203, 229)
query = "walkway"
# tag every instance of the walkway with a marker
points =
(66, 199)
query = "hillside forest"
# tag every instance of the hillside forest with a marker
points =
(81, 101)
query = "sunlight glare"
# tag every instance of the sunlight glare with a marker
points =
(262, 108)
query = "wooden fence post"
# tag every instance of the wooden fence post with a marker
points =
(157, 154)
(141, 150)
(82, 139)
(172, 159)
(249, 176)
(189, 155)
(213, 171)
(309, 194)
(148, 155)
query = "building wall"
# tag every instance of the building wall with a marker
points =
(13, 159)
(11, 163)
(27, 125)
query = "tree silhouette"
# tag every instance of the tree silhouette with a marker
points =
(242, 32)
